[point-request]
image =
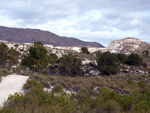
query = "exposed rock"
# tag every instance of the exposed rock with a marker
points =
(133, 70)
(88, 61)
(129, 45)
(58, 50)
(91, 71)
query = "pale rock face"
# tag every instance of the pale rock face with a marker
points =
(58, 50)
(128, 45)
(69, 92)
(86, 61)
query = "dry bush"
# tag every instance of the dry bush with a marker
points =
(4, 72)
(43, 79)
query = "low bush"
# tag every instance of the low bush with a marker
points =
(131, 82)
(142, 84)
(4, 72)
(57, 89)
(106, 101)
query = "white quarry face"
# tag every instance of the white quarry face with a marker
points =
(58, 50)
(128, 45)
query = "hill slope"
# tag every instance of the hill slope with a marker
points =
(32, 35)
(129, 45)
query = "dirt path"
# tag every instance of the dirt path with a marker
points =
(10, 85)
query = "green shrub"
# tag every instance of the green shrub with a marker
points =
(37, 59)
(131, 82)
(108, 107)
(122, 57)
(142, 84)
(107, 101)
(3, 53)
(4, 71)
(85, 50)
(13, 56)
(108, 63)
(127, 102)
(134, 59)
(144, 65)
(57, 89)
(53, 58)
(70, 65)
(8, 57)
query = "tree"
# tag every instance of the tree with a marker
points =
(38, 58)
(145, 53)
(135, 59)
(108, 63)
(13, 56)
(8, 56)
(70, 65)
(54, 58)
(3, 53)
(144, 65)
(122, 57)
(85, 50)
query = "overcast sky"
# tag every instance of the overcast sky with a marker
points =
(90, 20)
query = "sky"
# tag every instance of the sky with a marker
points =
(90, 20)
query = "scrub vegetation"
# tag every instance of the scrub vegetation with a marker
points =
(110, 93)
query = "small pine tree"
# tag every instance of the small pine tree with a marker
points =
(70, 65)
(108, 63)
(54, 58)
(122, 57)
(85, 50)
(38, 58)
(134, 59)
(13, 56)
(3, 53)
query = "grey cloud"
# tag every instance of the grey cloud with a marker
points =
(37, 11)
(123, 16)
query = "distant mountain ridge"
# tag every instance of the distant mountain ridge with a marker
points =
(32, 35)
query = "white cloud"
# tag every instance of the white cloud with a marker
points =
(96, 20)
(135, 22)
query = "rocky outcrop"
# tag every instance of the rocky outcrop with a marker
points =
(33, 35)
(58, 50)
(129, 45)
(133, 70)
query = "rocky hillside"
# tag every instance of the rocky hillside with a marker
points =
(58, 50)
(33, 35)
(129, 45)
(87, 60)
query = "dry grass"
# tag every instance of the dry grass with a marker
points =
(43, 79)
(91, 85)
